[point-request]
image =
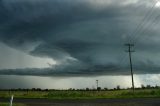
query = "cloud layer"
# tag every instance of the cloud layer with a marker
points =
(84, 37)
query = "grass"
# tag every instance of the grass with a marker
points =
(142, 94)
(147, 93)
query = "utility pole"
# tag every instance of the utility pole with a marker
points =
(97, 84)
(130, 59)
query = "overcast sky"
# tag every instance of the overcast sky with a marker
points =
(78, 38)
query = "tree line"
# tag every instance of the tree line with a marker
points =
(85, 89)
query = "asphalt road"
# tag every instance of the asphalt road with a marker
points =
(97, 102)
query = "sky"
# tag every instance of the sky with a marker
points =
(68, 41)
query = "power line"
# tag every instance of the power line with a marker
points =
(140, 25)
(149, 25)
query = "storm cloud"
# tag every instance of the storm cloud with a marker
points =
(84, 37)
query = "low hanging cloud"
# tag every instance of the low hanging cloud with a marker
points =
(84, 37)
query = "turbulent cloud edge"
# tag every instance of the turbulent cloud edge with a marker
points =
(72, 73)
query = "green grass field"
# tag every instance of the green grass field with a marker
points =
(147, 93)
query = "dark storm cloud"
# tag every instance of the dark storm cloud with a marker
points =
(84, 36)
(67, 71)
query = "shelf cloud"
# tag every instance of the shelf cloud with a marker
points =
(84, 37)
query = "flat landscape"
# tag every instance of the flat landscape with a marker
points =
(141, 97)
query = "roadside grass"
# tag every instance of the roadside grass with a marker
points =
(23, 94)
(147, 93)
(83, 94)
(141, 94)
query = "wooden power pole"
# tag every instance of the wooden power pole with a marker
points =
(130, 59)
(97, 84)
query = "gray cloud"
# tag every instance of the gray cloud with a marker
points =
(85, 37)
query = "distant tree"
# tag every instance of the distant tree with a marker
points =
(106, 89)
(46, 90)
(33, 89)
(118, 87)
(73, 89)
(148, 86)
(38, 89)
(70, 89)
(98, 88)
(142, 86)
(19, 89)
(156, 86)
(27, 91)
(87, 89)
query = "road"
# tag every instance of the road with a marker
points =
(97, 102)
